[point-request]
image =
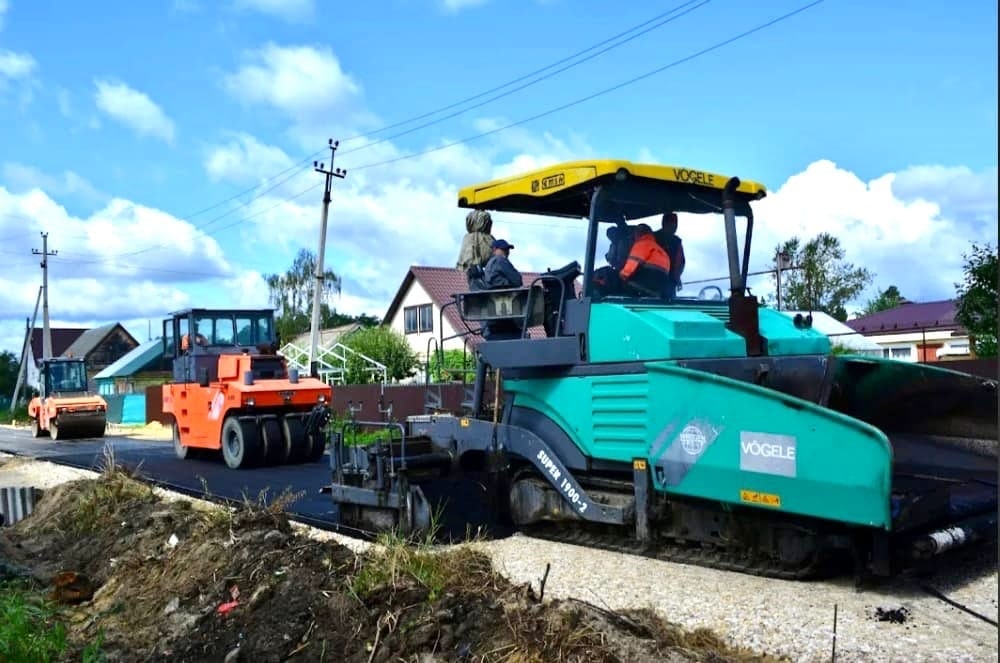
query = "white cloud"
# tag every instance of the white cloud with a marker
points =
(289, 10)
(970, 197)
(185, 6)
(20, 178)
(17, 74)
(305, 83)
(915, 244)
(16, 66)
(124, 260)
(458, 5)
(134, 109)
(244, 159)
(384, 219)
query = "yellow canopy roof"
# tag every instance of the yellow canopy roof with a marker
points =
(564, 189)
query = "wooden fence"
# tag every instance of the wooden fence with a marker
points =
(406, 400)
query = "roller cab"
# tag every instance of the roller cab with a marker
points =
(233, 393)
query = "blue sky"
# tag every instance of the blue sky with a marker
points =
(873, 120)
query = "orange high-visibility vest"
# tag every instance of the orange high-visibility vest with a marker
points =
(646, 252)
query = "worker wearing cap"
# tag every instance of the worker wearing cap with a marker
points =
(500, 272)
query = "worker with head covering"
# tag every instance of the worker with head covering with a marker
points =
(500, 271)
(476, 245)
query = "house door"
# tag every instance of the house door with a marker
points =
(928, 351)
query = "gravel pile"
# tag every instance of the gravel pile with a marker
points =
(897, 621)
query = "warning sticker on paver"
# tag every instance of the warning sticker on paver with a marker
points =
(765, 499)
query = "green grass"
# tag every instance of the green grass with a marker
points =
(20, 414)
(359, 436)
(30, 630)
(395, 564)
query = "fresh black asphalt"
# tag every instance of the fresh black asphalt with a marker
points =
(154, 461)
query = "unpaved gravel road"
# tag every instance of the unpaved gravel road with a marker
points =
(778, 617)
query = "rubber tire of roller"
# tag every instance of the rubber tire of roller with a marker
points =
(36, 428)
(248, 450)
(180, 450)
(317, 446)
(296, 441)
(271, 436)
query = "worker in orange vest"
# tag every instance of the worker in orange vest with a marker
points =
(647, 268)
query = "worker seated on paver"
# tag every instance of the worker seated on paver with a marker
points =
(667, 237)
(606, 279)
(647, 269)
(500, 273)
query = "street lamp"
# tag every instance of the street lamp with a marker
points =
(783, 260)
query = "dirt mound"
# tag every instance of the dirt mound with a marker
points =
(153, 579)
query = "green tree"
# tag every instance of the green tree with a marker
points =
(887, 299)
(825, 281)
(450, 365)
(977, 299)
(292, 294)
(9, 366)
(384, 345)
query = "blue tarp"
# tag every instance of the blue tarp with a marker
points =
(126, 408)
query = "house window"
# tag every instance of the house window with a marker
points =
(418, 319)
(897, 353)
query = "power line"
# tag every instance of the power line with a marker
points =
(526, 120)
(444, 118)
(301, 163)
(599, 93)
(218, 217)
(519, 78)
(142, 269)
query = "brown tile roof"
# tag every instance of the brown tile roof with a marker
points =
(62, 338)
(88, 341)
(911, 316)
(441, 283)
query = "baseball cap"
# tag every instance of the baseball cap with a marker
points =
(501, 244)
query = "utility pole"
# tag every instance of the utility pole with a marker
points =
(46, 332)
(314, 330)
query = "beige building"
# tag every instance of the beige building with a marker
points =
(917, 332)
